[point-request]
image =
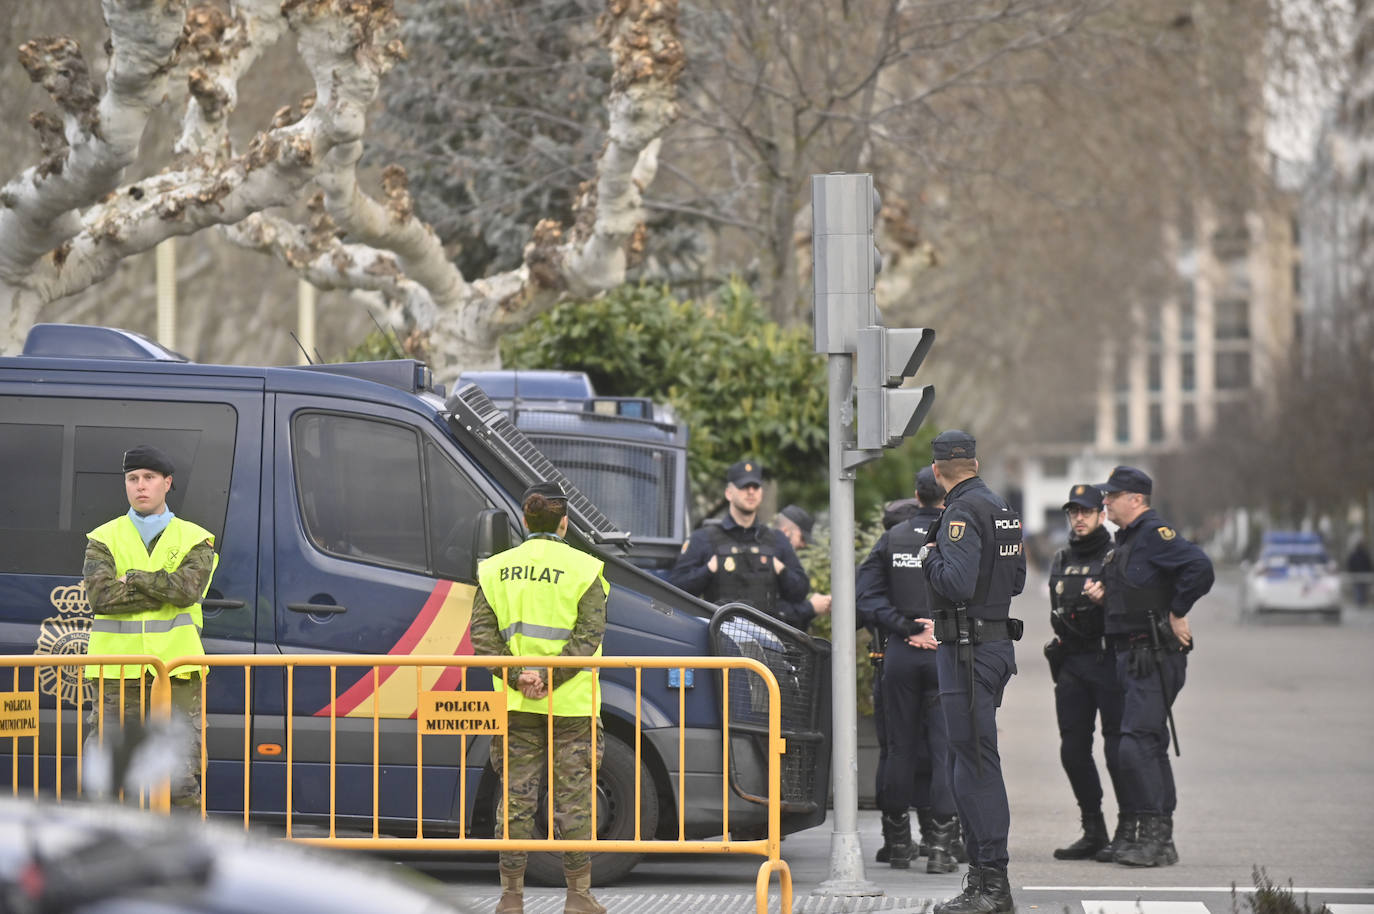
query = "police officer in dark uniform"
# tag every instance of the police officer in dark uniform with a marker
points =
(975, 563)
(893, 596)
(740, 559)
(1150, 581)
(796, 523)
(1083, 667)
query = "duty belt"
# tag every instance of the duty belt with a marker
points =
(1096, 645)
(980, 630)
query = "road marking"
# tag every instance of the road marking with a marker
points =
(1198, 889)
(1130, 906)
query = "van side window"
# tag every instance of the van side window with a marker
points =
(60, 459)
(453, 507)
(359, 486)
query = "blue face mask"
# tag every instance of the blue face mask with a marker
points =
(150, 526)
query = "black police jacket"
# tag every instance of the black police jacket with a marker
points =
(1077, 620)
(977, 559)
(1152, 568)
(892, 589)
(744, 566)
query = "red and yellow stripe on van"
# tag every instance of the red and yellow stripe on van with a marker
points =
(442, 627)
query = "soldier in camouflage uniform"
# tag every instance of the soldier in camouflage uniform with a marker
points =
(146, 573)
(545, 598)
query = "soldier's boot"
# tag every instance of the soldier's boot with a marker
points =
(899, 839)
(997, 890)
(580, 900)
(1148, 849)
(512, 892)
(987, 891)
(942, 833)
(1170, 853)
(1126, 825)
(1093, 840)
(924, 817)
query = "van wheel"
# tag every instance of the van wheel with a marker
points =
(615, 783)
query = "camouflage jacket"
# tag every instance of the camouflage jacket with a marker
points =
(144, 590)
(586, 634)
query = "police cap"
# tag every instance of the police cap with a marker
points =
(744, 473)
(147, 457)
(1127, 479)
(797, 515)
(550, 490)
(954, 445)
(1084, 496)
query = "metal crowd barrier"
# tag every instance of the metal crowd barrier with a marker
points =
(156, 699)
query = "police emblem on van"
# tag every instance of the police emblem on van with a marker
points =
(67, 633)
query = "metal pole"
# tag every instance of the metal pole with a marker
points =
(846, 855)
(305, 319)
(166, 283)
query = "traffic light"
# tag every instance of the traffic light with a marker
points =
(845, 260)
(886, 357)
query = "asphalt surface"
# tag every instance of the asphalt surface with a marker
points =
(1277, 772)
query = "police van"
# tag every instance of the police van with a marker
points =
(350, 505)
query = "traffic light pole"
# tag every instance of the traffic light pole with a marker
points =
(846, 854)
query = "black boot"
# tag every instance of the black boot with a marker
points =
(1093, 840)
(958, 847)
(1126, 825)
(924, 817)
(987, 892)
(885, 852)
(1170, 853)
(973, 888)
(1148, 849)
(897, 828)
(943, 832)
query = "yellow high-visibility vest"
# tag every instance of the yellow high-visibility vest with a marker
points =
(166, 632)
(534, 589)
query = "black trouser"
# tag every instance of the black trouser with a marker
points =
(917, 769)
(1087, 686)
(975, 765)
(1147, 776)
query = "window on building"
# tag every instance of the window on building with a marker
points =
(1187, 363)
(1121, 375)
(1123, 423)
(1233, 370)
(1233, 319)
(1155, 372)
(1156, 422)
(1297, 279)
(1187, 313)
(1154, 320)
(1054, 466)
(1188, 425)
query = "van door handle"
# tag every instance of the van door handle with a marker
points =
(316, 608)
(222, 604)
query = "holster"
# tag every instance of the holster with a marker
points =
(1054, 653)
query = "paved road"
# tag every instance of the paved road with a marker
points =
(1277, 771)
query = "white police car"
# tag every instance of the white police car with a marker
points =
(1293, 574)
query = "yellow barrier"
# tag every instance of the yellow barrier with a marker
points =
(768, 847)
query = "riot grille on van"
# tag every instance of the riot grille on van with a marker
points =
(801, 665)
(489, 426)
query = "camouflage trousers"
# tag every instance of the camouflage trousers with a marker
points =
(573, 790)
(186, 720)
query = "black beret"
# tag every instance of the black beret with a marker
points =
(1084, 496)
(1127, 479)
(550, 490)
(954, 445)
(797, 515)
(147, 457)
(745, 472)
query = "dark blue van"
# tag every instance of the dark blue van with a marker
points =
(351, 504)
